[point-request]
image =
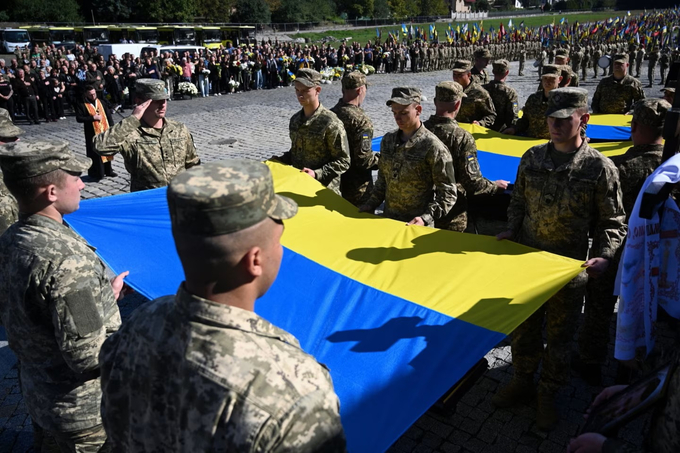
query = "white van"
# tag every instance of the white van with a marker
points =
(170, 48)
(120, 49)
(13, 38)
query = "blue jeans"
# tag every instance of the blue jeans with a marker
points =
(204, 85)
(259, 80)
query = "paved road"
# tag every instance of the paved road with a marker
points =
(254, 125)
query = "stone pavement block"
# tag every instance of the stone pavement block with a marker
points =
(423, 449)
(414, 432)
(403, 445)
(7, 410)
(459, 437)
(431, 440)
(448, 447)
(490, 430)
(548, 446)
(7, 440)
(471, 426)
(475, 445)
(530, 440)
(502, 445)
(439, 428)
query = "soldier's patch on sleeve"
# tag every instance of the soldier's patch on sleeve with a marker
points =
(472, 165)
(84, 312)
(514, 107)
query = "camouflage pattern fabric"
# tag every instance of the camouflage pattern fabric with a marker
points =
(415, 179)
(224, 380)
(320, 143)
(651, 66)
(479, 76)
(477, 106)
(468, 176)
(555, 209)
(617, 96)
(533, 122)
(9, 211)
(152, 156)
(59, 309)
(356, 183)
(634, 166)
(505, 101)
(92, 440)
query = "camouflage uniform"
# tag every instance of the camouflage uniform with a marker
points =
(533, 122)
(617, 96)
(554, 208)
(463, 150)
(504, 99)
(664, 61)
(357, 182)
(634, 167)
(416, 177)
(651, 65)
(152, 156)
(189, 374)
(639, 56)
(59, 307)
(522, 60)
(9, 211)
(477, 106)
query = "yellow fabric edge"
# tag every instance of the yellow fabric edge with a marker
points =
(492, 284)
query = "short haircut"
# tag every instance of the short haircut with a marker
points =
(88, 88)
(24, 190)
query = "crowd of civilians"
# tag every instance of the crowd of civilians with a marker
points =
(42, 84)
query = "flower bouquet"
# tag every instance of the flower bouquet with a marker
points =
(338, 73)
(187, 88)
(205, 72)
(233, 85)
(327, 75)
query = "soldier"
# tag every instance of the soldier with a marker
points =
(597, 53)
(319, 144)
(564, 190)
(664, 61)
(9, 211)
(562, 59)
(651, 66)
(540, 59)
(639, 56)
(478, 71)
(522, 59)
(634, 167)
(215, 375)
(617, 93)
(357, 183)
(669, 94)
(58, 304)
(585, 62)
(477, 107)
(532, 123)
(576, 57)
(463, 150)
(155, 149)
(415, 174)
(551, 54)
(504, 97)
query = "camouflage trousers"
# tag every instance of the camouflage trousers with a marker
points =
(663, 70)
(583, 72)
(560, 313)
(651, 71)
(457, 223)
(521, 68)
(91, 440)
(637, 68)
(593, 339)
(355, 191)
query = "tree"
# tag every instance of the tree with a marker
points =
(481, 5)
(403, 8)
(381, 9)
(214, 10)
(356, 8)
(434, 8)
(45, 11)
(252, 11)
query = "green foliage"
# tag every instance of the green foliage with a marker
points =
(381, 9)
(304, 11)
(252, 11)
(481, 5)
(44, 10)
(356, 8)
(109, 10)
(214, 10)
(403, 8)
(434, 8)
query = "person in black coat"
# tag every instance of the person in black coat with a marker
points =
(95, 114)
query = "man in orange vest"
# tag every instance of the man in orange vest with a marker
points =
(97, 119)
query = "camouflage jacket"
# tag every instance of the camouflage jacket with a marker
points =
(188, 374)
(477, 106)
(320, 143)
(363, 160)
(479, 76)
(554, 209)
(533, 122)
(617, 96)
(9, 211)
(59, 309)
(463, 149)
(505, 100)
(635, 165)
(415, 178)
(152, 156)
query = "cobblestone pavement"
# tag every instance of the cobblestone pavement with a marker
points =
(254, 125)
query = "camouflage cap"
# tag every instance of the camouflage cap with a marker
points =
(501, 66)
(153, 89)
(308, 77)
(563, 102)
(225, 197)
(30, 158)
(669, 89)
(551, 70)
(561, 53)
(7, 127)
(565, 71)
(462, 66)
(482, 53)
(650, 112)
(405, 96)
(621, 58)
(448, 92)
(354, 79)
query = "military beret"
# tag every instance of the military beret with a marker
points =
(563, 102)
(550, 70)
(462, 66)
(500, 66)
(448, 92)
(650, 112)
(308, 77)
(153, 89)
(7, 127)
(354, 79)
(30, 158)
(225, 197)
(405, 96)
